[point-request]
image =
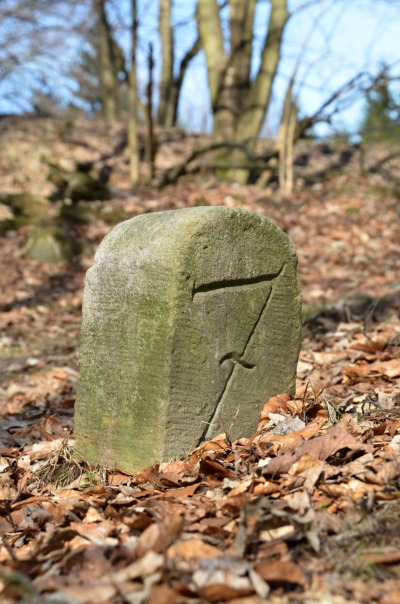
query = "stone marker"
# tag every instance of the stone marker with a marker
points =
(190, 318)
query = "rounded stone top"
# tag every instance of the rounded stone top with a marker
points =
(217, 242)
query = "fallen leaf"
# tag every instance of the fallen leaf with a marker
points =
(309, 476)
(159, 535)
(95, 532)
(149, 564)
(163, 594)
(177, 473)
(192, 550)
(380, 558)
(216, 469)
(281, 572)
(391, 597)
(378, 342)
(395, 443)
(275, 404)
(222, 585)
(304, 368)
(288, 442)
(304, 463)
(320, 448)
(87, 594)
(390, 369)
(354, 489)
(44, 449)
(282, 532)
(384, 473)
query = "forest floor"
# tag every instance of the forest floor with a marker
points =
(307, 510)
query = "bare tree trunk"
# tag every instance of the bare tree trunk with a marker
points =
(259, 94)
(170, 85)
(290, 149)
(132, 119)
(108, 75)
(176, 89)
(241, 26)
(238, 106)
(150, 143)
(219, 76)
(165, 109)
(285, 145)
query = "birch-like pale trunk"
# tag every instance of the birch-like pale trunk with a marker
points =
(165, 108)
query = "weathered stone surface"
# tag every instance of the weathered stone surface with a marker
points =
(188, 316)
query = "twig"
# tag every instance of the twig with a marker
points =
(227, 435)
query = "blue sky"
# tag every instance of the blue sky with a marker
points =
(331, 40)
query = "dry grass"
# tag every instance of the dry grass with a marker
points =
(62, 470)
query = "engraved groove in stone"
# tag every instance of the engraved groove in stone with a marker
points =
(215, 285)
(234, 356)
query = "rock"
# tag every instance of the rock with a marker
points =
(191, 320)
(113, 216)
(25, 204)
(78, 212)
(359, 306)
(50, 244)
(84, 212)
(82, 185)
(25, 209)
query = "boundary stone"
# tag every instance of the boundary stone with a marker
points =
(190, 318)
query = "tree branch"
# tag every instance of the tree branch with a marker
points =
(181, 169)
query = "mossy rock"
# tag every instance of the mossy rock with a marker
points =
(317, 318)
(24, 209)
(358, 306)
(26, 205)
(83, 186)
(50, 245)
(309, 311)
(111, 216)
(9, 224)
(79, 212)
(13, 224)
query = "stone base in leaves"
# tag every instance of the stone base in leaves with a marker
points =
(191, 318)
